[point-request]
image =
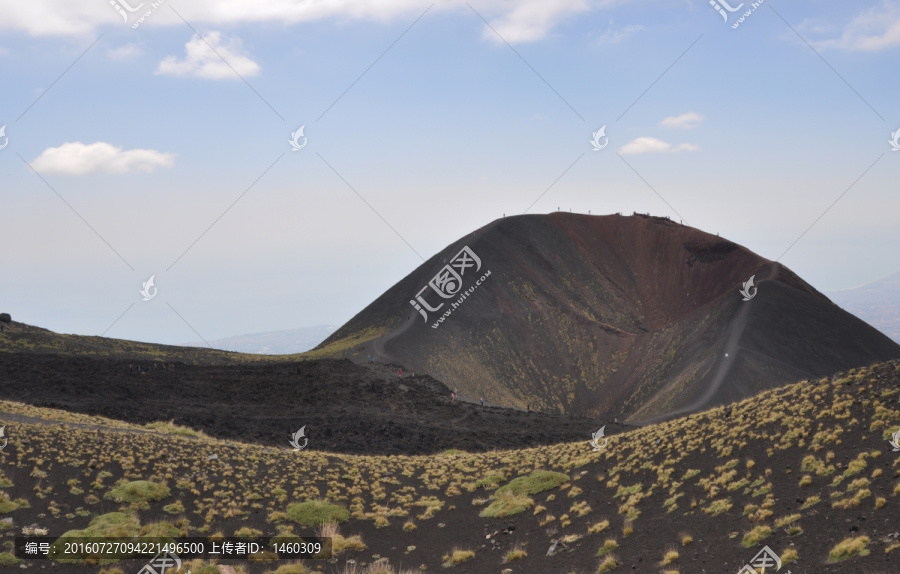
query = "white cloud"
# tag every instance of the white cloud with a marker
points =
(204, 59)
(531, 20)
(653, 145)
(124, 52)
(617, 35)
(688, 120)
(515, 20)
(874, 29)
(76, 158)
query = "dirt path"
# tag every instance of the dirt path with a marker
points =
(378, 344)
(722, 367)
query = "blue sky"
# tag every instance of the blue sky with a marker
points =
(144, 138)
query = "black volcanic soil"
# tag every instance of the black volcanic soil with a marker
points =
(347, 408)
(717, 540)
(635, 317)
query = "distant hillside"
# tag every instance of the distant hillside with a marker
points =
(21, 338)
(877, 303)
(273, 342)
(612, 316)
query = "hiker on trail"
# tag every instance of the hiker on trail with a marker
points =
(482, 402)
(452, 397)
(400, 372)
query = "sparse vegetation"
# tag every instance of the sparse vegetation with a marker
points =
(507, 503)
(756, 535)
(718, 507)
(458, 556)
(516, 553)
(598, 527)
(848, 548)
(492, 480)
(810, 501)
(171, 428)
(785, 520)
(535, 483)
(140, 491)
(670, 556)
(608, 546)
(315, 512)
(409, 496)
(788, 556)
(608, 563)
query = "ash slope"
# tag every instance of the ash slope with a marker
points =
(346, 408)
(801, 469)
(613, 316)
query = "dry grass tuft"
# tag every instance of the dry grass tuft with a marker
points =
(457, 556)
(848, 548)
